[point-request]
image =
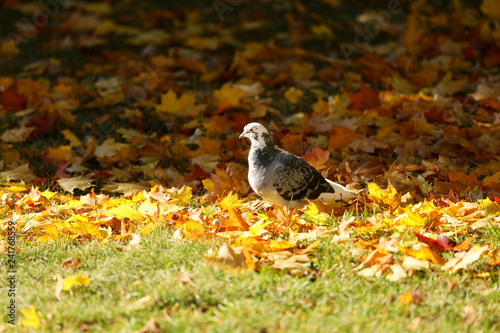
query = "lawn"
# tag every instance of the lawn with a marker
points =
(125, 202)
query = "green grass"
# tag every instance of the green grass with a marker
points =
(333, 300)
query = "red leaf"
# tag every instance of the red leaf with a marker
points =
(497, 199)
(431, 242)
(366, 98)
(445, 242)
(11, 100)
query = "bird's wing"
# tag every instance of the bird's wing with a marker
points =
(295, 179)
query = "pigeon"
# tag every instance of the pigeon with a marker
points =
(282, 178)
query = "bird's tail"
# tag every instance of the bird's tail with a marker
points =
(341, 193)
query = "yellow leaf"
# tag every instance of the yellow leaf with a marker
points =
(183, 105)
(322, 31)
(147, 229)
(425, 253)
(209, 185)
(125, 211)
(412, 296)
(73, 140)
(182, 195)
(493, 179)
(227, 93)
(406, 298)
(259, 244)
(230, 201)
(489, 206)
(293, 95)
(16, 189)
(321, 106)
(47, 194)
(58, 154)
(410, 218)
(77, 280)
(193, 229)
(390, 196)
(30, 318)
(256, 228)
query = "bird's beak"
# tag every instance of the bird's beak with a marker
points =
(244, 134)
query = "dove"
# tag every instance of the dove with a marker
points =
(282, 178)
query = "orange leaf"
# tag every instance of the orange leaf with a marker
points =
(342, 137)
(317, 158)
(465, 245)
(207, 146)
(193, 229)
(261, 245)
(411, 297)
(424, 253)
(236, 217)
(11, 100)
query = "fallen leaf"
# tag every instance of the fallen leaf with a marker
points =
(398, 273)
(70, 263)
(73, 183)
(472, 255)
(30, 319)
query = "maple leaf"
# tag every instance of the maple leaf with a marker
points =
(342, 137)
(110, 151)
(70, 184)
(23, 173)
(366, 98)
(367, 145)
(60, 154)
(317, 158)
(390, 196)
(11, 100)
(67, 283)
(182, 106)
(30, 318)
(17, 135)
(68, 135)
(293, 95)
(229, 95)
(425, 253)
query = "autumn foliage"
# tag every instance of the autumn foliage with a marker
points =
(146, 135)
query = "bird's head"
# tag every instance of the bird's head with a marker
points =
(257, 134)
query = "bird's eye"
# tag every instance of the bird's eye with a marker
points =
(251, 130)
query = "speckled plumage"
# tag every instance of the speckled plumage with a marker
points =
(285, 179)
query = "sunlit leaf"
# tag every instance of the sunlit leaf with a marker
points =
(30, 318)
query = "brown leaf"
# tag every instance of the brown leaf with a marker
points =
(70, 263)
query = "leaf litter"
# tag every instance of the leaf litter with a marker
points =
(413, 126)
